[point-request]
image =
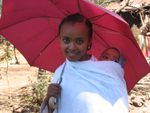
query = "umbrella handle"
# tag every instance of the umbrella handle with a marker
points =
(52, 103)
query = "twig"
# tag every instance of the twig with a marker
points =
(7, 76)
(123, 6)
(17, 62)
(143, 21)
(133, 8)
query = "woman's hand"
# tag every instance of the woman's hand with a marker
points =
(53, 90)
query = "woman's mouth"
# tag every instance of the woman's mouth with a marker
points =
(72, 54)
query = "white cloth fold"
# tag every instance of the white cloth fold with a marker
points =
(92, 87)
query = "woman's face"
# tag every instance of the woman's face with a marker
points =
(110, 55)
(74, 40)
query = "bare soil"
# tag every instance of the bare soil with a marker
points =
(18, 79)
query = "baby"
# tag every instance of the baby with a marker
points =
(113, 54)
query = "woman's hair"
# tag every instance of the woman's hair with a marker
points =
(77, 18)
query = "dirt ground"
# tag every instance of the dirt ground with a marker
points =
(18, 78)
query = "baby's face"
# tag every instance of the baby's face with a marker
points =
(110, 55)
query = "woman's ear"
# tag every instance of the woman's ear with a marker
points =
(90, 41)
(89, 45)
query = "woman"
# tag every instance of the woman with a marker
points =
(86, 85)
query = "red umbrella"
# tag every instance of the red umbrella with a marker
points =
(32, 27)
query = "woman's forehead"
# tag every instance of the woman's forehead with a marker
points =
(74, 28)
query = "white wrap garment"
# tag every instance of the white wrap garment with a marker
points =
(92, 87)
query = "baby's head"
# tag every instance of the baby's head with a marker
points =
(113, 54)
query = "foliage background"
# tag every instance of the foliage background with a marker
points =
(104, 3)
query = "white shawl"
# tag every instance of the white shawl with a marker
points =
(92, 87)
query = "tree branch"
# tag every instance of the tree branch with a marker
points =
(123, 6)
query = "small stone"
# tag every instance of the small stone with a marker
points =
(143, 98)
(147, 97)
(131, 107)
(132, 97)
(18, 110)
(138, 102)
(147, 103)
(16, 107)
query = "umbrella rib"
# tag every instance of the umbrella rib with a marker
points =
(114, 32)
(57, 7)
(15, 23)
(60, 9)
(49, 18)
(101, 38)
(30, 19)
(79, 9)
(44, 48)
(103, 27)
(97, 17)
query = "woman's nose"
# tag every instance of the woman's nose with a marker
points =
(72, 46)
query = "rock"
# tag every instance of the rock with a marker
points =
(147, 103)
(131, 107)
(10, 105)
(138, 102)
(15, 107)
(0, 76)
(147, 97)
(143, 98)
(18, 110)
(130, 102)
(25, 110)
(135, 88)
(130, 98)
(143, 92)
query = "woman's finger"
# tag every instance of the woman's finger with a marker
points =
(53, 90)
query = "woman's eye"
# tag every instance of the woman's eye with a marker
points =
(79, 41)
(66, 40)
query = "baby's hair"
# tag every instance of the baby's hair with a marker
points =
(78, 18)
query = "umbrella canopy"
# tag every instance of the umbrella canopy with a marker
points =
(32, 27)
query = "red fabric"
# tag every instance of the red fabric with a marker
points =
(32, 26)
